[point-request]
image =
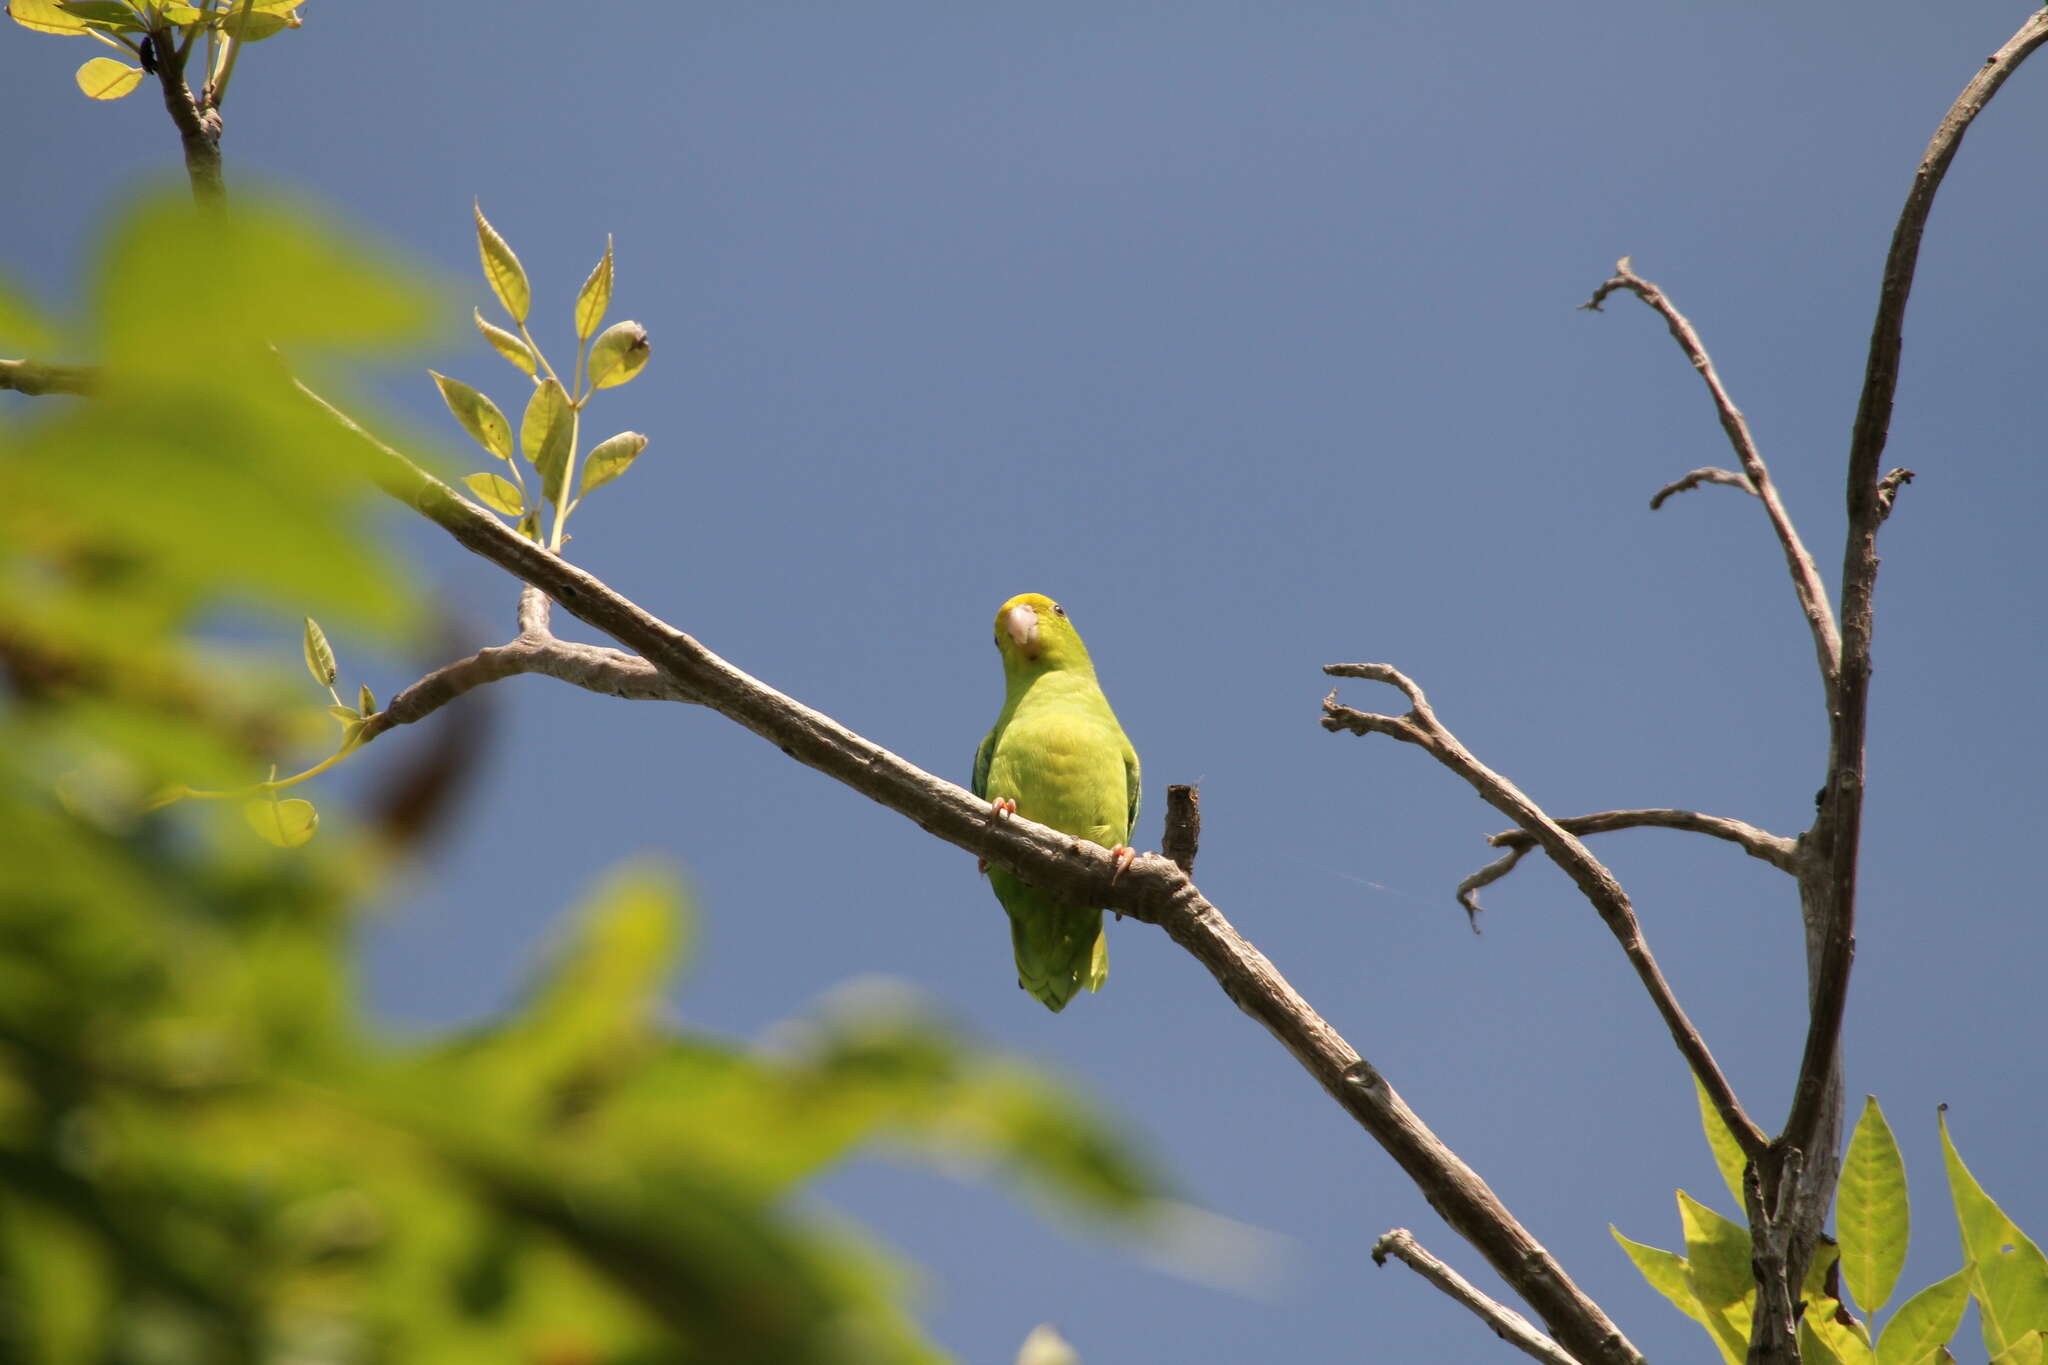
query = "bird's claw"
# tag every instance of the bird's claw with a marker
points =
(1122, 855)
(1002, 808)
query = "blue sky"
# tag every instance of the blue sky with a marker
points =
(1248, 332)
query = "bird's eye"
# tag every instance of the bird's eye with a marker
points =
(1058, 610)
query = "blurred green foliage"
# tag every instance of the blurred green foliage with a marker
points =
(208, 1153)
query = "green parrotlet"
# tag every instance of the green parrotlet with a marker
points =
(1057, 756)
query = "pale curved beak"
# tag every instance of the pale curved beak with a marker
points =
(1022, 623)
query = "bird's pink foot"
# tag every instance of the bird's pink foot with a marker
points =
(1122, 854)
(1002, 808)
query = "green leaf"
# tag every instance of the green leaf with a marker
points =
(1872, 1220)
(544, 434)
(595, 296)
(529, 526)
(45, 16)
(1925, 1321)
(104, 13)
(344, 714)
(1823, 1341)
(619, 353)
(253, 27)
(1728, 1158)
(1669, 1275)
(366, 701)
(611, 458)
(319, 655)
(107, 78)
(502, 269)
(288, 824)
(1045, 1346)
(1717, 1252)
(479, 416)
(501, 495)
(506, 343)
(2010, 1275)
(2025, 1350)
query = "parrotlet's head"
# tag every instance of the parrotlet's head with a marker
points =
(1035, 636)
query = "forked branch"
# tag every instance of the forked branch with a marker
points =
(1812, 593)
(1421, 728)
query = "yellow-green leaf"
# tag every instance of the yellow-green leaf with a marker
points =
(255, 26)
(611, 458)
(2010, 1275)
(529, 526)
(506, 343)
(1925, 1321)
(479, 416)
(618, 354)
(45, 16)
(595, 296)
(501, 495)
(22, 326)
(502, 269)
(1666, 1272)
(1717, 1252)
(287, 824)
(1728, 1158)
(319, 655)
(1871, 1217)
(2025, 1350)
(366, 701)
(104, 14)
(544, 434)
(344, 714)
(106, 78)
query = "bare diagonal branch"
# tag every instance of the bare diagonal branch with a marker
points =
(1806, 582)
(35, 378)
(1151, 889)
(1421, 728)
(1506, 1323)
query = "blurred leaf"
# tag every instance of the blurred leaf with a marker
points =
(106, 78)
(1925, 1321)
(498, 494)
(479, 416)
(1045, 1346)
(507, 344)
(366, 701)
(319, 655)
(502, 270)
(595, 296)
(2010, 1277)
(1728, 1158)
(1872, 1220)
(619, 353)
(544, 435)
(61, 1301)
(22, 326)
(611, 458)
(288, 823)
(45, 16)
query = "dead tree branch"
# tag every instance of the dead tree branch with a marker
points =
(1507, 1324)
(1421, 728)
(1812, 593)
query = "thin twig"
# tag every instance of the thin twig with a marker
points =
(1421, 728)
(1812, 593)
(1183, 836)
(1510, 1326)
(1775, 849)
(1150, 889)
(1693, 480)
